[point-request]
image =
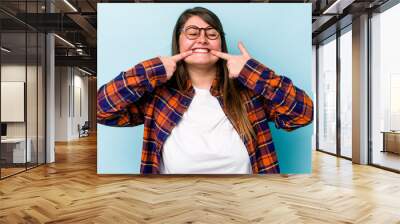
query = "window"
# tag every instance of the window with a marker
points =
(346, 93)
(385, 88)
(327, 96)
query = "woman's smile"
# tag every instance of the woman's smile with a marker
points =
(201, 50)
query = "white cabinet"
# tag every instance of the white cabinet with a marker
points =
(18, 149)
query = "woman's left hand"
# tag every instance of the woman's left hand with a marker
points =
(234, 63)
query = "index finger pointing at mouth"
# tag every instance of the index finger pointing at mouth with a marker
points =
(181, 56)
(220, 54)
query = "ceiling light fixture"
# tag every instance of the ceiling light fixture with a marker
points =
(5, 50)
(337, 7)
(70, 5)
(65, 41)
(86, 72)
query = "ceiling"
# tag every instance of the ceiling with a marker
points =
(76, 22)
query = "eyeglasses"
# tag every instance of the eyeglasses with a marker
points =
(193, 32)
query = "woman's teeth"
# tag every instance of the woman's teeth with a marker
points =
(200, 50)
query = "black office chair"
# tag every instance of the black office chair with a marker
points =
(84, 130)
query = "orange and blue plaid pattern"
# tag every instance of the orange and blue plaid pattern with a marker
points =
(139, 96)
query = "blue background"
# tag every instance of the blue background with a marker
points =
(277, 35)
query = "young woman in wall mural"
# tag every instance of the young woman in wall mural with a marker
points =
(204, 110)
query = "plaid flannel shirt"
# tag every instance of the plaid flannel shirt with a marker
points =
(138, 96)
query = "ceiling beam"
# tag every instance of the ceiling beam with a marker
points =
(84, 24)
(83, 61)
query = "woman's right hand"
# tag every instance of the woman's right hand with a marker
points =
(170, 62)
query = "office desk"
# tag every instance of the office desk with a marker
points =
(391, 141)
(15, 148)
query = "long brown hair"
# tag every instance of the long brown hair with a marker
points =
(231, 91)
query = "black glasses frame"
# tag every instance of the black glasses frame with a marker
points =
(198, 28)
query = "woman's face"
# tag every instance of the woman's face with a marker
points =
(200, 46)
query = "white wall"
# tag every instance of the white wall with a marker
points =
(16, 72)
(33, 126)
(71, 94)
(61, 103)
(80, 110)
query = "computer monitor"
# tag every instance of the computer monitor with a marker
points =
(3, 129)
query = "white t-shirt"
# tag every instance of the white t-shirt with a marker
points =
(204, 141)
